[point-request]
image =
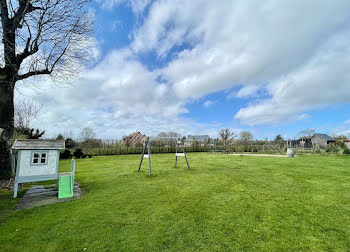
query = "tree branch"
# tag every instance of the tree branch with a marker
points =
(49, 37)
(2, 70)
(25, 6)
(26, 52)
(31, 48)
(4, 10)
(33, 73)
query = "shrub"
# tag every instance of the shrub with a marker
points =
(65, 154)
(78, 153)
(346, 151)
(333, 148)
(318, 150)
(341, 144)
(70, 143)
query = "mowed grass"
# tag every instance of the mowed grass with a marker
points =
(223, 203)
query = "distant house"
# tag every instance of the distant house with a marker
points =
(304, 142)
(135, 139)
(346, 142)
(317, 140)
(203, 140)
(322, 140)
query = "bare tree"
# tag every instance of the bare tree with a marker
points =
(39, 37)
(87, 134)
(306, 136)
(226, 135)
(307, 133)
(246, 137)
(169, 134)
(26, 110)
(68, 134)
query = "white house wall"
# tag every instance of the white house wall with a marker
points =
(318, 141)
(26, 169)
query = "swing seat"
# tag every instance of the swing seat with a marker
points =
(180, 154)
(145, 156)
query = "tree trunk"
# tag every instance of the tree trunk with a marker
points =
(6, 126)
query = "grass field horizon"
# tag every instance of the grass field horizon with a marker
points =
(223, 203)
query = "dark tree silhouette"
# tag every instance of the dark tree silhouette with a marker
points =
(279, 138)
(29, 132)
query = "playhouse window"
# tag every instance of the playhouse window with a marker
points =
(39, 158)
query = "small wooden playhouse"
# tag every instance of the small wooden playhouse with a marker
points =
(38, 160)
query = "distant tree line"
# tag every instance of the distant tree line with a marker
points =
(229, 141)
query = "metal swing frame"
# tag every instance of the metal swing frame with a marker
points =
(147, 145)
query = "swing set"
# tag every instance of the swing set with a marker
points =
(179, 144)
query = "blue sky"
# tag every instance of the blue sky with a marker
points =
(270, 67)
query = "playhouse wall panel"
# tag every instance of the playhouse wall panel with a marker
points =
(27, 169)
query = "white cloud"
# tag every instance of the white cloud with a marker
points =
(347, 122)
(137, 6)
(109, 4)
(115, 98)
(208, 103)
(291, 49)
(342, 130)
(233, 44)
(294, 52)
(244, 92)
(168, 24)
(322, 81)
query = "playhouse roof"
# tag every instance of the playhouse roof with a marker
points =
(38, 144)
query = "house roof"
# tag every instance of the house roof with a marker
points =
(324, 137)
(135, 138)
(198, 138)
(38, 144)
(305, 137)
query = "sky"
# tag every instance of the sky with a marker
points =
(194, 67)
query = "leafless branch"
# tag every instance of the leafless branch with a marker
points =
(33, 73)
(26, 110)
(45, 37)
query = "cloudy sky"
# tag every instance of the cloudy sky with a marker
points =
(197, 66)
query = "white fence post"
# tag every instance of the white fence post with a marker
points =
(72, 168)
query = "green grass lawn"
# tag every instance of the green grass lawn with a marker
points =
(224, 203)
